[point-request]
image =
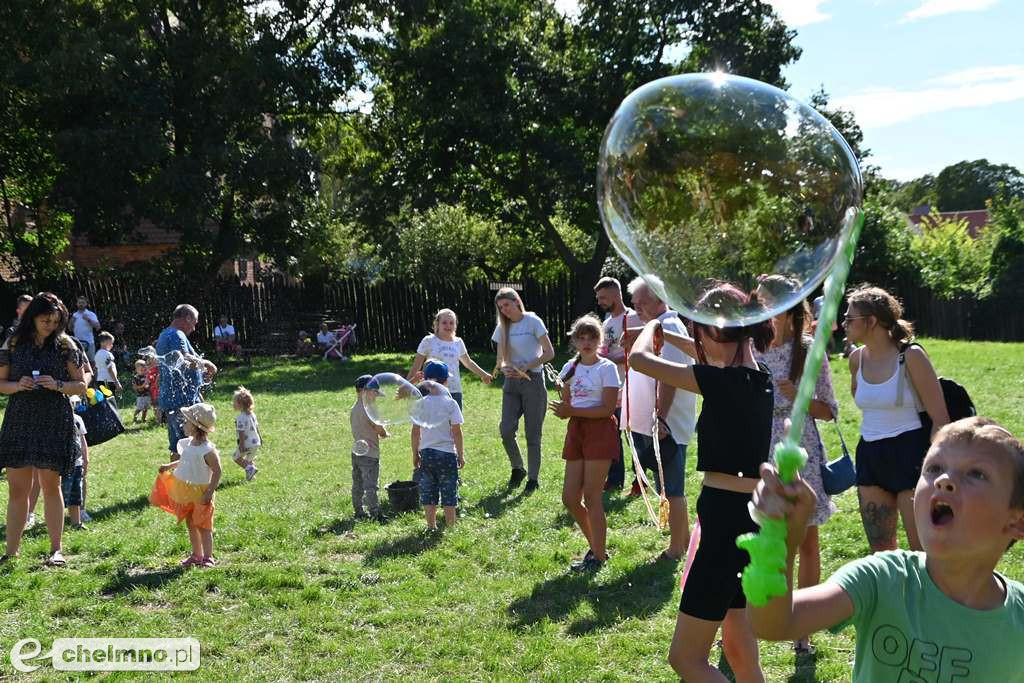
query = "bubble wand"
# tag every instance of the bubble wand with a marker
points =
(763, 578)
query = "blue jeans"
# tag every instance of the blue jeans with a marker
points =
(438, 477)
(175, 430)
(71, 486)
(675, 468)
(457, 395)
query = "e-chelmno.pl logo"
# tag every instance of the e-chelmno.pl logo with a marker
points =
(109, 654)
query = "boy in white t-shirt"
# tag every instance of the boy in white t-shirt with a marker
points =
(72, 486)
(437, 451)
(589, 392)
(106, 365)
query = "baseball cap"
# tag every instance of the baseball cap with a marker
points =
(435, 370)
(362, 381)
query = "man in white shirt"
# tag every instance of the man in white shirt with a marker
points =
(676, 412)
(84, 324)
(617, 318)
(224, 336)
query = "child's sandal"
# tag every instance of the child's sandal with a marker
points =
(191, 561)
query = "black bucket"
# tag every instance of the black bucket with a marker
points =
(403, 495)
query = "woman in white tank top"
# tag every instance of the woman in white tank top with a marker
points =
(893, 442)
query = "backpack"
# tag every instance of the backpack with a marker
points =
(958, 402)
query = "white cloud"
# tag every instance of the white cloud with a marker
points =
(799, 12)
(966, 89)
(934, 8)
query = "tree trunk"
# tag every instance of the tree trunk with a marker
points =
(587, 275)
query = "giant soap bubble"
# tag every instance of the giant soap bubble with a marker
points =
(391, 399)
(711, 178)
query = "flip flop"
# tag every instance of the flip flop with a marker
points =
(56, 560)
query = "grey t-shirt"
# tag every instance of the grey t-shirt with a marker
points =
(523, 340)
(363, 429)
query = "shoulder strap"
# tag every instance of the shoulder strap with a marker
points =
(842, 441)
(902, 378)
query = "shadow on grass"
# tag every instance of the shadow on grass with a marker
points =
(499, 502)
(141, 502)
(336, 528)
(125, 581)
(641, 592)
(411, 544)
(806, 668)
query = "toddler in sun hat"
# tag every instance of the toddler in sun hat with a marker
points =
(185, 487)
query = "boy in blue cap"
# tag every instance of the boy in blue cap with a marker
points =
(437, 450)
(365, 456)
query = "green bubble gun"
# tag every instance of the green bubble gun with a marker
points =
(764, 578)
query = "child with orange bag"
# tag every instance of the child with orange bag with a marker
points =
(185, 487)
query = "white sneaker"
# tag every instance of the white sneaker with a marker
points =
(250, 472)
(30, 521)
(85, 516)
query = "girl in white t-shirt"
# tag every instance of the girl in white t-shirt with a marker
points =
(451, 350)
(589, 393)
(247, 428)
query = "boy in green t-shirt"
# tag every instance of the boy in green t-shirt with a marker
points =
(936, 616)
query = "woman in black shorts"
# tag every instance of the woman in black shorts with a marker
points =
(733, 434)
(889, 393)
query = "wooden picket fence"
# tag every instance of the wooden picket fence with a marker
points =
(394, 315)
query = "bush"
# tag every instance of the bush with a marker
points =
(883, 252)
(1006, 265)
(952, 263)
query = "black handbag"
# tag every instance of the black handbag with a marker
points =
(840, 474)
(102, 422)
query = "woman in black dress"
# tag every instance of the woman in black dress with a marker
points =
(39, 368)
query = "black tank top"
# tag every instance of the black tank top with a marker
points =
(734, 430)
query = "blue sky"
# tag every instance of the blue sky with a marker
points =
(931, 82)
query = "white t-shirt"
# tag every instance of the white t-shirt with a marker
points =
(450, 352)
(682, 415)
(325, 338)
(440, 437)
(104, 362)
(82, 323)
(223, 332)
(613, 333)
(523, 340)
(81, 431)
(589, 382)
(250, 428)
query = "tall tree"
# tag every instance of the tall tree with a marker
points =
(189, 114)
(971, 184)
(499, 105)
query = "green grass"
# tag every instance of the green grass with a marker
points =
(304, 593)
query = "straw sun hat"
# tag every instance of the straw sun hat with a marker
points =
(202, 415)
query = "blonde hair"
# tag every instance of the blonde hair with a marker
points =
(885, 308)
(503, 322)
(985, 432)
(243, 397)
(587, 326)
(140, 362)
(444, 311)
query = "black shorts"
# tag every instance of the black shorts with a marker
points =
(892, 464)
(712, 585)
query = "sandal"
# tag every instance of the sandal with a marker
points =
(668, 558)
(191, 561)
(56, 560)
(207, 562)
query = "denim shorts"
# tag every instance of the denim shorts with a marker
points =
(438, 477)
(675, 468)
(175, 429)
(71, 486)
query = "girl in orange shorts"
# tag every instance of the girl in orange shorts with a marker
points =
(589, 393)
